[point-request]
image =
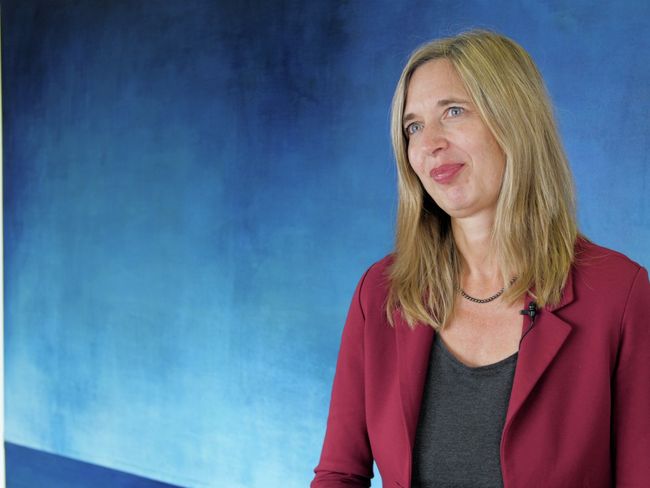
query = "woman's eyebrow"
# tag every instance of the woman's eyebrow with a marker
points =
(449, 101)
(408, 118)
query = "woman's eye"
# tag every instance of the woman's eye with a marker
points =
(455, 111)
(413, 128)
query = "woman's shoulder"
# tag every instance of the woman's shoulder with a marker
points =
(592, 259)
(379, 270)
(603, 275)
(374, 284)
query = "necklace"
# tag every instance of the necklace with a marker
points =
(488, 299)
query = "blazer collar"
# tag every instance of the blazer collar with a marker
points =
(538, 347)
(413, 350)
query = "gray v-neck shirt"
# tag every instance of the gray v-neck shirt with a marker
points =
(461, 419)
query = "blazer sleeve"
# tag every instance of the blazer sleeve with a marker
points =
(346, 459)
(631, 393)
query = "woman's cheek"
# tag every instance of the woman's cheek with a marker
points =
(413, 161)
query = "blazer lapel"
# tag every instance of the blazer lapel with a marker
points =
(413, 350)
(537, 350)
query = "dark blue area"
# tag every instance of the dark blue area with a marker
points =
(31, 468)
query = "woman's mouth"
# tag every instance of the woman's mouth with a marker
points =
(445, 173)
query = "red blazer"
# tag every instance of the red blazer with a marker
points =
(579, 411)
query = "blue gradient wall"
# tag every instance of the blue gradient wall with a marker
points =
(192, 189)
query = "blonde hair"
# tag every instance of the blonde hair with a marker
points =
(535, 226)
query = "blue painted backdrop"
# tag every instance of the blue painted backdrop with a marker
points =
(192, 189)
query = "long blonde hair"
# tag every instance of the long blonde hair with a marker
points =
(535, 226)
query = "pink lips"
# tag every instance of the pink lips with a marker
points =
(445, 173)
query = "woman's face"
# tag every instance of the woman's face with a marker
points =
(456, 157)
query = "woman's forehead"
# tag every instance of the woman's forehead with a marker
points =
(436, 82)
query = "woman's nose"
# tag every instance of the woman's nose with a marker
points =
(434, 139)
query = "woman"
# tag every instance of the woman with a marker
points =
(495, 346)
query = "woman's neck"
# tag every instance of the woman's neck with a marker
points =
(473, 238)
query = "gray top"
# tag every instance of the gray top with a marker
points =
(461, 418)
